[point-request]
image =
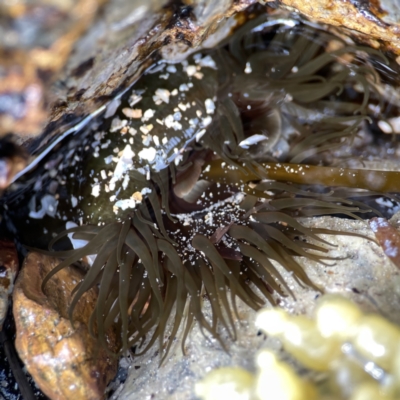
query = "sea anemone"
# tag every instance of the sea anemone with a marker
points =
(191, 184)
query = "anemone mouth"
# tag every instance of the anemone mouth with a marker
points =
(146, 279)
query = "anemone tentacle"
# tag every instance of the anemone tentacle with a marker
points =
(142, 278)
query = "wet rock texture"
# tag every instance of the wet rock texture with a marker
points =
(63, 359)
(364, 274)
(119, 45)
(128, 33)
(376, 22)
(43, 41)
(36, 38)
(13, 159)
(388, 238)
(8, 271)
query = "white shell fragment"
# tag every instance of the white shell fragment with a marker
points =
(210, 106)
(125, 204)
(148, 154)
(124, 163)
(48, 207)
(246, 143)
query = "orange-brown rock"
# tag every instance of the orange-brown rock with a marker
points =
(364, 17)
(36, 39)
(388, 238)
(64, 360)
(8, 272)
(21, 96)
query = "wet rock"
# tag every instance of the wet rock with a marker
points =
(118, 46)
(22, 108)
(388, 237)
(113, 51)
(64, 360)
(13, 159)
(36, 38)
(375, 22)
(8, 271)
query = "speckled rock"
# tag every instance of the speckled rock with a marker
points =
(374, 22)
(63, 359)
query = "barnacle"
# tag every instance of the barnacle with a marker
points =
(192, 182)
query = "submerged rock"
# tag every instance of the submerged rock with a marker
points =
(64, 360)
